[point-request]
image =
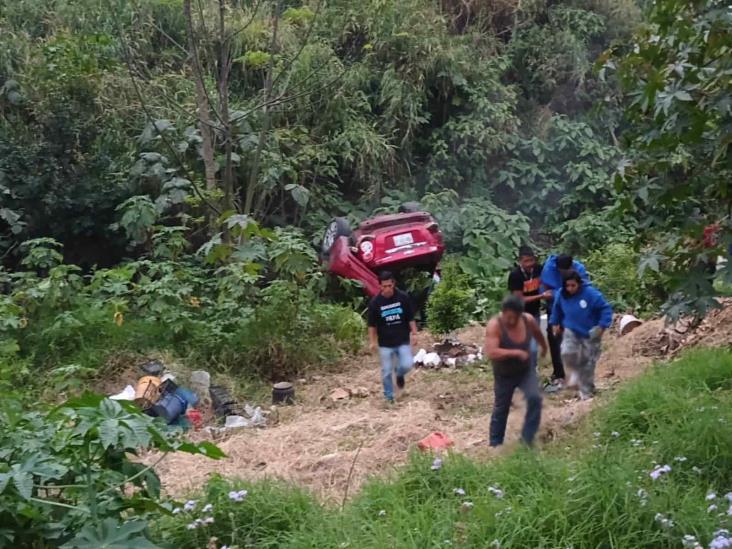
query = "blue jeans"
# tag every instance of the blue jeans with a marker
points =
(405, 361)
(534, 348)
(503, 389)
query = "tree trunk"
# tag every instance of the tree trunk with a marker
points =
(202, 104)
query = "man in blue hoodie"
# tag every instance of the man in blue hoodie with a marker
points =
(554, 269)
(581, 314)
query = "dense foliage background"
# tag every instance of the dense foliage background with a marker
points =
(167, 169)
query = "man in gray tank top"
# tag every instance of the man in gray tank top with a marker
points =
(508, 344)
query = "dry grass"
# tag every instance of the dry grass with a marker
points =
(314, 443)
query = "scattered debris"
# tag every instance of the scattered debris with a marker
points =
(153, 368)
(435, 441)
(360, 392)
(451, 352)
(221, 400)
(340, 394)
(128, 393)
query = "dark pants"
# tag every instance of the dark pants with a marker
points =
(555, 348)
(503, 389)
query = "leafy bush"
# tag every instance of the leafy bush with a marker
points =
(289, 331)
(450, 304)
(66, 477)
(614, 270)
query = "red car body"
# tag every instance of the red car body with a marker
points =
(388, 242)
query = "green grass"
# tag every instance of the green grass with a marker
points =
(590, 490)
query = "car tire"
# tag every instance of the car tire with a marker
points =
(337, 228)
(410, 207)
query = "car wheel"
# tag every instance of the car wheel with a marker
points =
(410, 207)
(337, 228)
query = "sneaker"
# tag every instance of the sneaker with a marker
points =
(400, 381)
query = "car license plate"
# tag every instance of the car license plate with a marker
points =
(403, 239)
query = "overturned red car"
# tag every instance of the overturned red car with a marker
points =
(410, 239)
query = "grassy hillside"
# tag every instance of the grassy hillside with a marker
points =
(592, 489)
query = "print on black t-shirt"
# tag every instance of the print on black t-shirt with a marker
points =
(391, 318)
(529, 283)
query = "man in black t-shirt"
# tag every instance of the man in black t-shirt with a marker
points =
(391, 329)
(525, 282)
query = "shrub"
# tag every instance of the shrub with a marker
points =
(450, 305)
(614, 270)
(66, 477)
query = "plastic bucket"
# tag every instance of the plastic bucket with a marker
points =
(147, 391)
(628, 323)
(283, 393)
(170, 407)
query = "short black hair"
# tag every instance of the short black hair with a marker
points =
(386, 275)
(526, 251)
(564, 261)
(513, 303)
(571, 275)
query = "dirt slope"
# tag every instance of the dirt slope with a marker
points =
(317, 442)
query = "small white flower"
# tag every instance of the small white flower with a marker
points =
(690, 542)
(711, 496)
(382, 513)
(696, 470)
(190, 505)
(208, 520)
(224, 547)
(728, 496)
(615, 434)
(721, 540)
(459, 492)
(177, 511)
(207, 509)
(467, 505)
(680, 459)
(192, 526)
(664, 521)
(238, 496)
(729, 511)
(711, 508)
(495, 543)
(437, 464)
(660, 470)
(596, 434)
(497, 492)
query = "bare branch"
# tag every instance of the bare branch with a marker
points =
(203, 103)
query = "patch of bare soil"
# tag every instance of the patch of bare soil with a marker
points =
(333, 446)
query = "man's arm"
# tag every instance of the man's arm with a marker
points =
(557, 317)
(412, 331)
(536, 332)
(528, 298)
(492, 348)
(372, 320)
(373, 338)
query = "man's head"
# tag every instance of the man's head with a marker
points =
(511, 310)
(572, 282)
(564, 264)
(527, 259)
(387, 282)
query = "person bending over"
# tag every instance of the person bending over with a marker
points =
(508, 344)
